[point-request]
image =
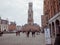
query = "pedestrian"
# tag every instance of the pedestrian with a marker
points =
(33, 34)
(57, 39)
(28, 34)
(17, 33)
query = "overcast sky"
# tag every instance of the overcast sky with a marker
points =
(17, 10)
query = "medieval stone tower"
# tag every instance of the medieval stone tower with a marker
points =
(30, 14)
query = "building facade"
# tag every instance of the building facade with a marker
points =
(30, 26)
(3, 25)
(12, 26)
(43, 22)
(18, 28)
(52, 10)
(45, 16)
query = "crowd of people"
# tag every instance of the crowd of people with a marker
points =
(33, 34)
(27, 33)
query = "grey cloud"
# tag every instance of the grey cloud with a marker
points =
(17, 10)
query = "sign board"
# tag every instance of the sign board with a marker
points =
(47, 36)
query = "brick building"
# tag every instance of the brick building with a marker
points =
(52, 13)
(45, 17)
(12, 26)
(43, 22)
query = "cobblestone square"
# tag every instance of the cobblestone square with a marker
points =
(12, 39)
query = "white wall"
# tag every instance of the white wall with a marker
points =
(4, 27)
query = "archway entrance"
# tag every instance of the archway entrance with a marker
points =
(53, 29)
(57, 27)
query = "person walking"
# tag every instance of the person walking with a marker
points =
(28, 34)
(33, 34)
(57, 40)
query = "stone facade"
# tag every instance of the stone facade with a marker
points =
(52, 10)
(34, 27)
(18, 28)
(3, 25)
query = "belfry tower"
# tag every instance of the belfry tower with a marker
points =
(30, 14)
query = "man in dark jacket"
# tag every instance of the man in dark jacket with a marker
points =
(57, 40)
